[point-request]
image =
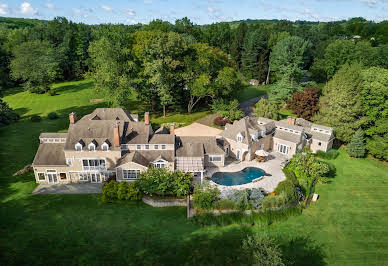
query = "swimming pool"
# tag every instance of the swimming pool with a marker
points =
(244, 176)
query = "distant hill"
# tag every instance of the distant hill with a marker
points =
(14, 23)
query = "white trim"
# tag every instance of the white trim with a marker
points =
(282, 148)
(121, 166)
(137, 174)
(44, 175)
(105, 145)
(91, 145)
(78, 145)
(95, 168)
(238, 154)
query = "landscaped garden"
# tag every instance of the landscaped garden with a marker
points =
(347, 225)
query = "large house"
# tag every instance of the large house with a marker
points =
(111, 142)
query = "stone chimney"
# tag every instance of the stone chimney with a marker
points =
(73, 118)
(147, 118)
(172, 128)
(291, 120)
(116, 135)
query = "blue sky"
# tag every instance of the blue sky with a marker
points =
(200, 11)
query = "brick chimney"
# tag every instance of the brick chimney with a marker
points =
(291, 120)
(172, 128)
(116, 135)
(147, 118)
(73, 118)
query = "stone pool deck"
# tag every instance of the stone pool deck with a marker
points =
(268, 183)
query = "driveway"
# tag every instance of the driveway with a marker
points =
(246, 106)
(85, 188)
(197, 129)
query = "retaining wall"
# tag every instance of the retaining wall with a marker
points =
(167, 202)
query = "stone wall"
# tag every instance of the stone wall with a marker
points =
(164, 202)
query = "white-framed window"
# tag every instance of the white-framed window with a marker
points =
(105, 147)
(41, 176)
(138, 147)
(83, 177)
(239, 137)
(283, 148)
(160, 164)
(131, 173)
(124, 147)
(147, 147)
(163, 146)
(92, 147)
(262, 146)
(156, 147)
(69, 161)
(62, 176)
(78, 146)
(93, 164)
(215, 158)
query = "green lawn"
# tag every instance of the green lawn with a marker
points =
(348, 224)
(250, 92)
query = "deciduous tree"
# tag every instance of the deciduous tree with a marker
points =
(305, 103)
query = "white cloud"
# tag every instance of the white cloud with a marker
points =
(131, 22)
(27, 9)
(77, 10)
(49, 6)
(129, 12)
(107, 8)
(210, 9)
(3, 9)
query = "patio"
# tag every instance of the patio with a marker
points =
(268, 183)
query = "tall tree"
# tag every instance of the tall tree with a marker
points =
(236, 47)
(375, 102)
(36, 64)
(112, 66)
(266, 109)
(255, 56)
(341, 104)
(305, 103)
(289, 58)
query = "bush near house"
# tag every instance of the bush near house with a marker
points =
(228, 109)
(162, 182)
(329, 155)
(52, 115)
(219, 121)
(36, 118)
(113, 191)
(205, 196)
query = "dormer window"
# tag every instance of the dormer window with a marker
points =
(239, 137)
(92, 147)
(78, 146)
(105, 147)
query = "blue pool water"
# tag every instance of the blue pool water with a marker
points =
(237, 178)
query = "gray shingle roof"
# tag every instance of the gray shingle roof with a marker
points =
(285, 124)
(321, 136)
(110, 114)
(53, 135)
(162, 139)
(135, 157)
(208, 145)
(238, 126)
(153, 155)
(50, 154)
(280, 134)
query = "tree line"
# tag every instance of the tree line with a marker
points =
(183, 66)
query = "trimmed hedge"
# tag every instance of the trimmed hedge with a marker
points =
(36, 118)
(52, 115)
(112, 191)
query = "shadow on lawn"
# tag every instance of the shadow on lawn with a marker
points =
(73, 87)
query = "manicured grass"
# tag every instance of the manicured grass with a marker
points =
(250, 92)
(348, 224)
(180, 120)
(284, 113)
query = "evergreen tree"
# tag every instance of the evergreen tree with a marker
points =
(255, 56)
(356, 147)
(341, 105)
(238, 42)
(266, 109)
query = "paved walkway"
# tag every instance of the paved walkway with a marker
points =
(246, 106)
(268, 183)
(86, 188)
(196, 129)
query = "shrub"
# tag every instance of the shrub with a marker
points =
(36, 118)
(274, 201)
(129, 191)
(219, 121)
(288, 189)
(109, 191)
(290, 176)
(256, 197)
(7, 115)
(163, 182)
(261, 250)
(225, 204)
(52, 115)
(246, 199)
(205, 197)
(266, 109)
(305, 103)
(329, 155)
(228, 110)
(52, 92)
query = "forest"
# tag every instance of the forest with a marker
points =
(332, 73)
